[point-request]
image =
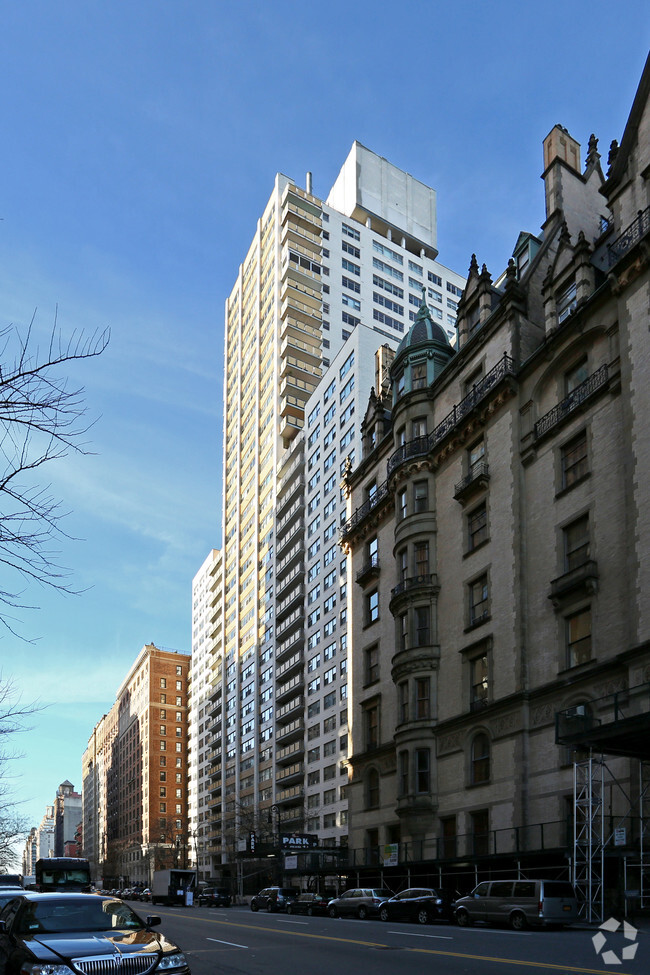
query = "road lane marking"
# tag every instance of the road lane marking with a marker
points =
(282, 921)
(233, 943)
(549, 966)
(413, 934)
(513, 961)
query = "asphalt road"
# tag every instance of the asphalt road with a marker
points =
(235, 941)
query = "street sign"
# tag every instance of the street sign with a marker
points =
(298, 841)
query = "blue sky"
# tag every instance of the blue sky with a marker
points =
(140, 143)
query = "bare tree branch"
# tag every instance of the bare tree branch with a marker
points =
(41, 419)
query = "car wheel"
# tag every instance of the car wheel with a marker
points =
(254, 907)
(289, 909)
(310, 911)
(518, 920)
(332, 912)
(423, 916)
(462, 918)
(383, 914)
(362, 913)
(269, 907)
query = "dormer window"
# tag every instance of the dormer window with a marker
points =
(566, 302)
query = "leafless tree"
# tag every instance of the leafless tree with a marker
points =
(14, 827)
(41, 419)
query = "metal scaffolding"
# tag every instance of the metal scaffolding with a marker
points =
(589, 836)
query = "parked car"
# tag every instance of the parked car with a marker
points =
(8, 893)
(519, 903)
(214, 897)
(49, 931)
(145, 895)
(361, 902)
(308, 904)
(273, 899)
(421, 904)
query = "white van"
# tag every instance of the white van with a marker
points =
(519, 903)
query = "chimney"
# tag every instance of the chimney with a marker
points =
(308, 183)
(561, 166)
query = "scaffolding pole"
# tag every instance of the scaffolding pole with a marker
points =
(588, 837)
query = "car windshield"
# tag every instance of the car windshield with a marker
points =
(83, 914)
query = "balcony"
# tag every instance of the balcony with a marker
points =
(305, 350)
(291, 365)
(290, 795)
(289, 732)
(294, 512)
(288, 490)
(365, 509)
(502, 372)
(295, 640)
(296, 572)
(423, 583)
(290, 751)
(283, 544)
(285, 691)
(571, 403)
(290, 426)
(293, 620)
(292, 773)
(475, 481)
(295, 705)
(291, 664)
(581, 580)
(369, 570)
(638, 229)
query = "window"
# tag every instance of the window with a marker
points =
(371, 726)
(477, 526)
(350, 284)
(434, 278)
(578, 637)
(565, 302)
(387, 252)
(372, 789)
(371, 664)
(163, 682)
(351, 267)
(575, 376)
(422, 559)
(403, 774)
(573, 459)
(480, 759)
(403, 631)
(448, 844)
(576, 543)
(478, 681)
(475, 456)
(422, 626)
(422, 697)
(478, 600)
(419, 375)
(350, 231)
(350, 249)
(402, 504)
(422, 764)
(372, 607)
(420, 496)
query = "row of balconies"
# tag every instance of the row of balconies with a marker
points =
(291, 621)
(297, 572)
(295, 596)
(283, 648)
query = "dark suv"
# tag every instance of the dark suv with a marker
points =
(421, 904)
(214, 897)
(273, 899)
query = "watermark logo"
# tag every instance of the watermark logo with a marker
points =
(611, 926)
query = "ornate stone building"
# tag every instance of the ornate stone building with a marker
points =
(499, 551)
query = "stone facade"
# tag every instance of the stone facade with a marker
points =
(503, 497)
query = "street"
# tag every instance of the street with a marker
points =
(235, 940)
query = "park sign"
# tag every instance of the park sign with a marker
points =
(298, 841)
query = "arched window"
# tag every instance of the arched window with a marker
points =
(480, 759)
(372, 789)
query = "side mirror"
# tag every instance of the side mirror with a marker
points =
(152, 920)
